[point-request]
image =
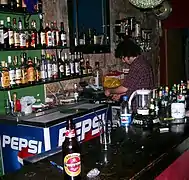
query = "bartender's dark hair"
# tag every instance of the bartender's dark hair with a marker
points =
(127, 48)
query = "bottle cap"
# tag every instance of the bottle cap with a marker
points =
(125, 98)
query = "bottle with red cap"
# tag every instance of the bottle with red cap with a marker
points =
(71, 154)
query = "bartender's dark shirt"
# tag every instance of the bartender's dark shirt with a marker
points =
(140, 76)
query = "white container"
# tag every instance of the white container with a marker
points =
(178, 110)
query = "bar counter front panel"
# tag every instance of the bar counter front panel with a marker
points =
(32, 135)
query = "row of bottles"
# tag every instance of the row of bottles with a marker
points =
(13, 35)
(91, 37)
(21, 5)
(131, 27)
(17, 72)
(163, 97)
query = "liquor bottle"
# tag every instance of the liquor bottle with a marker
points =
(90, 37)
(88, 67)
(62, 36)
(33, 34)
(49, 67)
(71, 154)
(97, 74)
(30, 72)
(72, 67)
(11, 68)
(54, 68)
(12, 4)
(5, 79)
(22, 35)
(43, 68)
(16, 34)
(52, 34)
(18, 74)
(77, 64)
(1, 34)
(61, 65)
(4, 4)
(10, 33)
(82, 36)
(42, 36)
(56, 34)
(39, 6)
(24, 79)
(27, 31)
(67, 66)
(48, 35)
(24, 6)
(37, 69)
(82, 63)
(19, 5)
(76, 93)
(6, 37)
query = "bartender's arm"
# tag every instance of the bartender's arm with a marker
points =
(116, 93)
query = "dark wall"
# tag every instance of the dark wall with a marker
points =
(179, 16)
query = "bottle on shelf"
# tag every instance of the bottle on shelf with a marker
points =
(56, 33)
(33, 34)
(53, 37)
(39, 6)
(48, 35)
(1, 34)
(23, 68)
(67, 66)
(98, 75)
(88, 67)
(30, 71)
(5, 79)
(61, 72)
(77, 64)
(49, 67)
(76, 93)
(42, 34)
(72, 64)
(19, 5)
(82, 63)
(11, 68)
(43, 68)
(82, 36)
(6, 36)
(18, 74)
(62, 36)
(10, 33)
(24, 6)
(16, 34)
(54, 68)
(13, 4)
(71, 154)
(37, 69)
(22, 36)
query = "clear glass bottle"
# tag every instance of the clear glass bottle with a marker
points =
(98, 75)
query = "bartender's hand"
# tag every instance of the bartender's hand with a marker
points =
(116, 97)
(107, 92)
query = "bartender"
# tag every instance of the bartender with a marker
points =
(140, 72)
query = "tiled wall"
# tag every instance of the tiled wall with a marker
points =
(57, 10)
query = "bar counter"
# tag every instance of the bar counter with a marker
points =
(26, 136)
(136, 154)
